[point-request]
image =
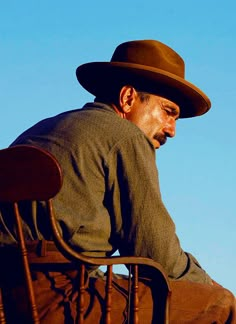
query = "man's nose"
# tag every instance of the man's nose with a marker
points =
(170, 128)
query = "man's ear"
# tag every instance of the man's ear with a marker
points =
(127, 98)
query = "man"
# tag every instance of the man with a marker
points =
(110, 197)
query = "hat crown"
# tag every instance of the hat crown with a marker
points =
(150, 53)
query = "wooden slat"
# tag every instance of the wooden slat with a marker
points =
(27, 274)
(135, 303)
(167, 309)
(108, 295)
(2, 314)
(81, 294)
(129, 293)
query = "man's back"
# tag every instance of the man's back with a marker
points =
(84, 142)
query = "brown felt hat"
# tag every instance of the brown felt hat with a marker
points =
(150, 66)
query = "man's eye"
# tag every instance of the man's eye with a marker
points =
(170, 111)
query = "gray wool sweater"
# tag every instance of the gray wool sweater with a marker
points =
(110, 198)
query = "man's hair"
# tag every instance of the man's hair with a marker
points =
(143, 96)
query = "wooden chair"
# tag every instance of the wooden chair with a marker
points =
(31, 173)
(27, 173)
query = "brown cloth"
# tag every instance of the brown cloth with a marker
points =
(56, 295)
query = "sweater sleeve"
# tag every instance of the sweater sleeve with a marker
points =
(146, 228)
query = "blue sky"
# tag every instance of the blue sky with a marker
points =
(42, 43)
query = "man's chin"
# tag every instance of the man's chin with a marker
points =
(156, 144)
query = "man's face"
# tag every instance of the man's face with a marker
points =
(156, 117)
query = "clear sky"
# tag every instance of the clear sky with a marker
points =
(41, 44)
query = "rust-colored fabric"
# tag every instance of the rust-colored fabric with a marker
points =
(56, 294)
(201, 304)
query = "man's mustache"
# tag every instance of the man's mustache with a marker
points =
(161, 138)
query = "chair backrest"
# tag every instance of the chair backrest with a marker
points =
(31, 173)
(27, 173)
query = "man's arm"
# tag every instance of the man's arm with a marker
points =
(147, 228)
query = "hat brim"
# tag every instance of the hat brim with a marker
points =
(97, 75)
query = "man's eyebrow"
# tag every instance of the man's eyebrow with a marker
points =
(174, 109)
